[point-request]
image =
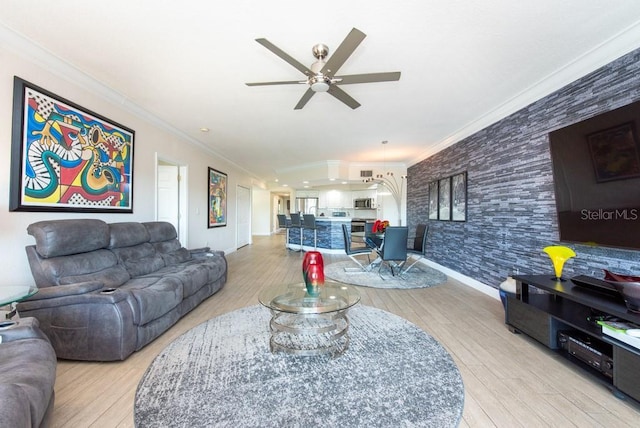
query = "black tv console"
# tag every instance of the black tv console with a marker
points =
(546, 309)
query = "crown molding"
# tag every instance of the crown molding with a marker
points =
(32, 52)
(606, 52)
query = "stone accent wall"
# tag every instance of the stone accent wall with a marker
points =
(511, 212)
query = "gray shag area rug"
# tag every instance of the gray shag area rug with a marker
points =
(419, 276)
(222, 374)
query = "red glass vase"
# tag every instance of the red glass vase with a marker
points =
(313, 272)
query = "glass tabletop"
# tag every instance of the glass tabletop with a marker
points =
(14, 293)
(293, 298)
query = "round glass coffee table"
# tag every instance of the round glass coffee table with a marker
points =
(309, 325)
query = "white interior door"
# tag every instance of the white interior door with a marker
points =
(244, 216)
(171, 197)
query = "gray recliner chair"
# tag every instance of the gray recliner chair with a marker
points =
(27, 375)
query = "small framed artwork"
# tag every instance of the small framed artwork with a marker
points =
(459, 197)
(217, 185)
(433, 200)
(67, 158)
(614, 153)
(444, 199)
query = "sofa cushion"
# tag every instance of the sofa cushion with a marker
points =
(172, 252)
(160, 231)
(140, 259)
(127, 234)
(62, 237)
(193, 277)
(99, 265)
(152, 297)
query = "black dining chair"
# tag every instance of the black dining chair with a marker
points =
(372, 240)
(419, 247)
(352, 252)
(394, 249)
(296, 223)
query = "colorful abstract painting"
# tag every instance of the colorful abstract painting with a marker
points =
(66, 158)
(217, 183)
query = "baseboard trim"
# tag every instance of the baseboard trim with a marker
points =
(468, 281)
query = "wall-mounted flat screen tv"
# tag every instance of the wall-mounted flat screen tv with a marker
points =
(596, 170)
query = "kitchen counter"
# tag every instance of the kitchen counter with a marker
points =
(327, 218)
(329, 232)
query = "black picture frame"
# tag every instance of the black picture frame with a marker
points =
(65, 157)
(433, 200)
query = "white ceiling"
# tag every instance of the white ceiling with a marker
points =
(464, 63)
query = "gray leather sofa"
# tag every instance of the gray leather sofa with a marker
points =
(107, 290)
(27, 375)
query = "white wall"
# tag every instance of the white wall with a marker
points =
(150, 138)
(261, 221)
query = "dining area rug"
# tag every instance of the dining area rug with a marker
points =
(222, 373)
(419, 276)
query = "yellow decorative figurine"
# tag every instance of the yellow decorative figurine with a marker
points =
(558, 255)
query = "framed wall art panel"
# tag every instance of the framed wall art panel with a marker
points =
(444, 199)
(67, 158)
(459, 197)
(433, 200)
(217, 185)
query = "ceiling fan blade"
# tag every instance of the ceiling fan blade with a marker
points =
(305, 99)
(343, 96)
(368, 78)
(344, 51)
(285, 56)
(285, 82)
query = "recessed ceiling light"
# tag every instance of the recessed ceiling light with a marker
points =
(305, 182)
(332, 179)
(204, 129)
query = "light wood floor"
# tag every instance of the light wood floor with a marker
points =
(509, 379)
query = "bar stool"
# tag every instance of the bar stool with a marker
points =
(282, 224)
(310, 224)
(296, 223)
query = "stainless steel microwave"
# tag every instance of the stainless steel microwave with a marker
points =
(364, 203)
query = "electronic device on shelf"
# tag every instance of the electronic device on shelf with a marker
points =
(594, 353)
(597, 285)
(595, 170)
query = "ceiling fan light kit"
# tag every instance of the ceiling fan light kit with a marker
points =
(321, 75)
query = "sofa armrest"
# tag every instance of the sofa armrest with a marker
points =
(201, 250)
(91, 292)
(66, 290)
(84, 321)
(21, 328)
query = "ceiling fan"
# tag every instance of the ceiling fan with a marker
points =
(321, 76)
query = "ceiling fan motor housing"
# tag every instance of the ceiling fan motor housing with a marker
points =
(320, 51)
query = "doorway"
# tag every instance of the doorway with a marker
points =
(171, 196)
(243, 207)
